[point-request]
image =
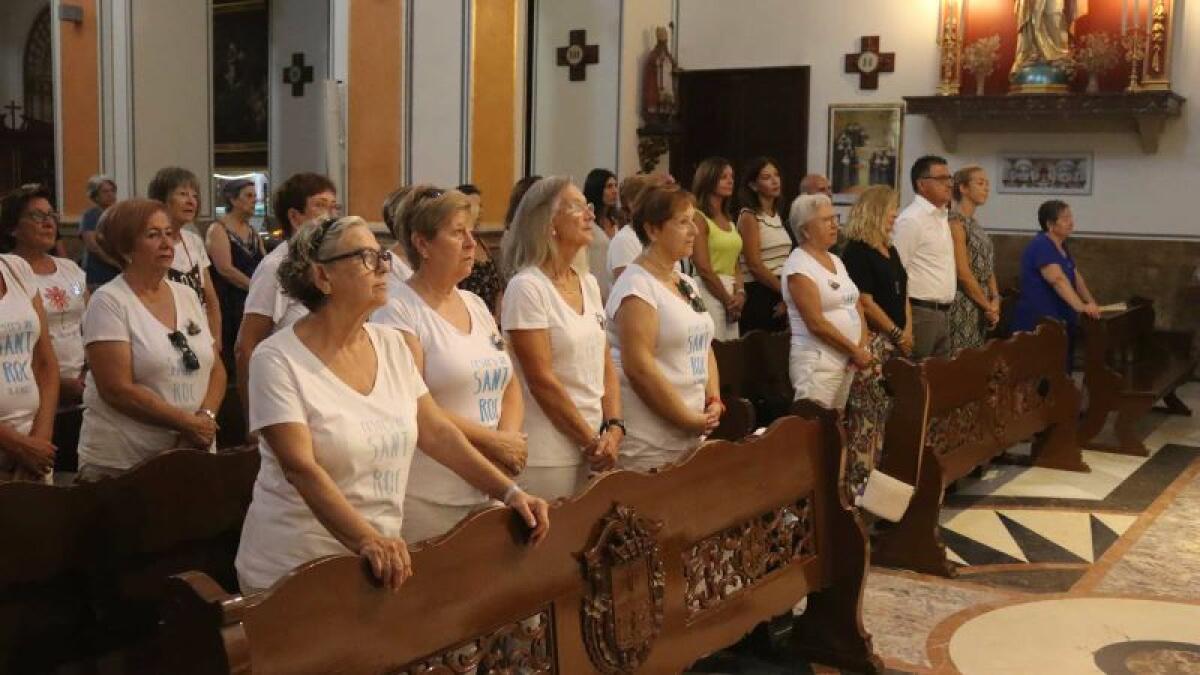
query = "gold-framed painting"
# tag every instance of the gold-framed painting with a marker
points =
(864, 148)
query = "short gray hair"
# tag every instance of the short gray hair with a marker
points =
(96, 182)
(312, 242)
(804, 208)
(528, 241)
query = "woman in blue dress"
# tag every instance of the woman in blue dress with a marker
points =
(1051, 286)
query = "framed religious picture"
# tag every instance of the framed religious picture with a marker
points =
(865, 143)
(1045, 173)
(240, 85)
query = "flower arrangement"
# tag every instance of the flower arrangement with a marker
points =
(1095, 53)
(980, 58)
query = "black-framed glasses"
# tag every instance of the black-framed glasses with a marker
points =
(180, 342)
(373, 259)
(686, 290)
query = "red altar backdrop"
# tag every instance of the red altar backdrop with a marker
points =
(983, 18)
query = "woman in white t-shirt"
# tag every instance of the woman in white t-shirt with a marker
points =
(458, 350)
(555, 321)
(28, 368)
(63, 288)
(179, 191)
(154, 381)
(340, 407)
(661, 335)
(829, 334)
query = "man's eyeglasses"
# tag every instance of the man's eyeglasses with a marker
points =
(373, 259)
(180, 342)
(42, 216)
(940, 179)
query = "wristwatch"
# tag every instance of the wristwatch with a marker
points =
(614, 422)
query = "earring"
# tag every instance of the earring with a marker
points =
(553, 233)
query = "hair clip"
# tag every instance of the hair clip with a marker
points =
(497, 341)
(192, 328)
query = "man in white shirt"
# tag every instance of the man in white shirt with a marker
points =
(301, 198)
(922, 237)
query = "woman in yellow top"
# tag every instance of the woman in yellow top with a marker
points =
(718, 247)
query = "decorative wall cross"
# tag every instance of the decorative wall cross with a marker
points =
(868, 63)
(578, 54)
(297, 74)
(12, 109)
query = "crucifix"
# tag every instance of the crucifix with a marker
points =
(869, 63)
(297, 74)
(578, 54)
(12, 109)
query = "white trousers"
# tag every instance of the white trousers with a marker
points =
(424, 519)
(722, 328)
(819, 376)
(552, 482)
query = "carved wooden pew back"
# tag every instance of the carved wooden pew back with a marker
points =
(640, 573)
(1128, 367)
(83, 568)
(979, 403)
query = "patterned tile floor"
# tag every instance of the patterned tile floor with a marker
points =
(1060, 572)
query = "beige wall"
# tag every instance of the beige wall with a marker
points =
(171, 40)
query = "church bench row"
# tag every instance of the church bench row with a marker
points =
(639, 573)
(1128, 367)
(952, 415)
(83, 568)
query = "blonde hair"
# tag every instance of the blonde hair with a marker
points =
(962, 177)
(422, 212)
(868, 214)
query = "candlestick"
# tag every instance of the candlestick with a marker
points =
(1137, 14)
(1124, 16)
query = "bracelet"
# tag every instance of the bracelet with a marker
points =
(207, 413)
(512, 491)
(895, 333)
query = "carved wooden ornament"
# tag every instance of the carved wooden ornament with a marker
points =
(622, 612)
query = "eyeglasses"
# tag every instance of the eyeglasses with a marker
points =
(179, 342)
(373, 259)
(579, 208)
(42, 216)
(940, 179)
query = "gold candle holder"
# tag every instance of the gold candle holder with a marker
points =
(1134, 43)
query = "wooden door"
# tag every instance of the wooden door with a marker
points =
(740, 114)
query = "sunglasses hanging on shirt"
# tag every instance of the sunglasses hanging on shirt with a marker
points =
(180, 342)
(686, 290)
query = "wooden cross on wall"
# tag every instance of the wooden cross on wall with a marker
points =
(869, 63)
(297, 74)
(578, 54)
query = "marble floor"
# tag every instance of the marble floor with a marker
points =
(1057, 572)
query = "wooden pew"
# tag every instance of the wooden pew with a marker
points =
(1128, 367)
(755, 367)
(82, 568)
(953, 415)
(640, 573)
(739, 419)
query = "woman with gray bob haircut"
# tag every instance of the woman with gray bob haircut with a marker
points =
(554, 318)
(340, 407)
(823, 306)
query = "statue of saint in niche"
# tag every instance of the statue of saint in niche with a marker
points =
(1043, 31)
(659, 94)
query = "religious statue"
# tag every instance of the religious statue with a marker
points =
(659, 92)
(1043, 44)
